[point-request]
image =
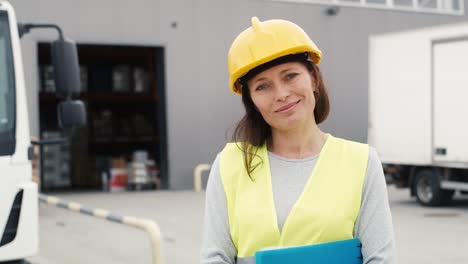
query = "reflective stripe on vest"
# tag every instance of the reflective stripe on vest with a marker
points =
(325, 211)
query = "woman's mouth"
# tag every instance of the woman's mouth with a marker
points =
(287, 107)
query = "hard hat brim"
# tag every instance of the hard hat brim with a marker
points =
(236, 87)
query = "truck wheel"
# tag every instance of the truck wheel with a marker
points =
(428, 191)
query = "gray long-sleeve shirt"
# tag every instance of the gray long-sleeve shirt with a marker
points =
(373, 227)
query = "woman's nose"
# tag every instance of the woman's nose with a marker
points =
(282, 93)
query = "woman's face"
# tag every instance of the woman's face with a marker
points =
(284, 95)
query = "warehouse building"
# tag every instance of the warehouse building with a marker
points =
(155, 82)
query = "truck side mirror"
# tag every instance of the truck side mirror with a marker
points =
(71, 114)
(66, 67)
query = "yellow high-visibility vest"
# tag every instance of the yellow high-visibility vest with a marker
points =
(326, 210)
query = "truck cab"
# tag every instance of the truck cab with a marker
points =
(19, 236)
(19, 199)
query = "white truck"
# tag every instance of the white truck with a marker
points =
(418, 109)
(18, 194)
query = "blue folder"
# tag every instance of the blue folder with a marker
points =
(339, 252)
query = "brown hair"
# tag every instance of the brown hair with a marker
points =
(253, 131)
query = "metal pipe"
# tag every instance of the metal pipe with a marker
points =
(197, 175)
(149, 226)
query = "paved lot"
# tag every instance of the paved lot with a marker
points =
(424, 235)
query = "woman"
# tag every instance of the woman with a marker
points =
(284, 182)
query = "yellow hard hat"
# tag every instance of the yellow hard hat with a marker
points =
(266, 41)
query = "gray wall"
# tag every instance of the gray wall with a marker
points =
(200, 108)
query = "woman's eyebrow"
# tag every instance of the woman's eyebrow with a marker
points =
(287, 69)
(281, 72)
(260, 79)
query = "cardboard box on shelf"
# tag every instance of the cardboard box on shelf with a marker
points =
(121, 78)
(48, 79)
(84, 78)
(140, 77)
(118, 163)
(56, 163)
(118, 174)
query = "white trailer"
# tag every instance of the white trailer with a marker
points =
(418, 109)
(18, 194)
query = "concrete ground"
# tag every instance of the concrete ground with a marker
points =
(423, 235)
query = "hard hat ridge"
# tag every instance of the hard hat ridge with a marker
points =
(255, 24)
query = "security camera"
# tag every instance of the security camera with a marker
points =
(332, 11)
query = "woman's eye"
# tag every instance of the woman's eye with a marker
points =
(290, 76)
(261, 87)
